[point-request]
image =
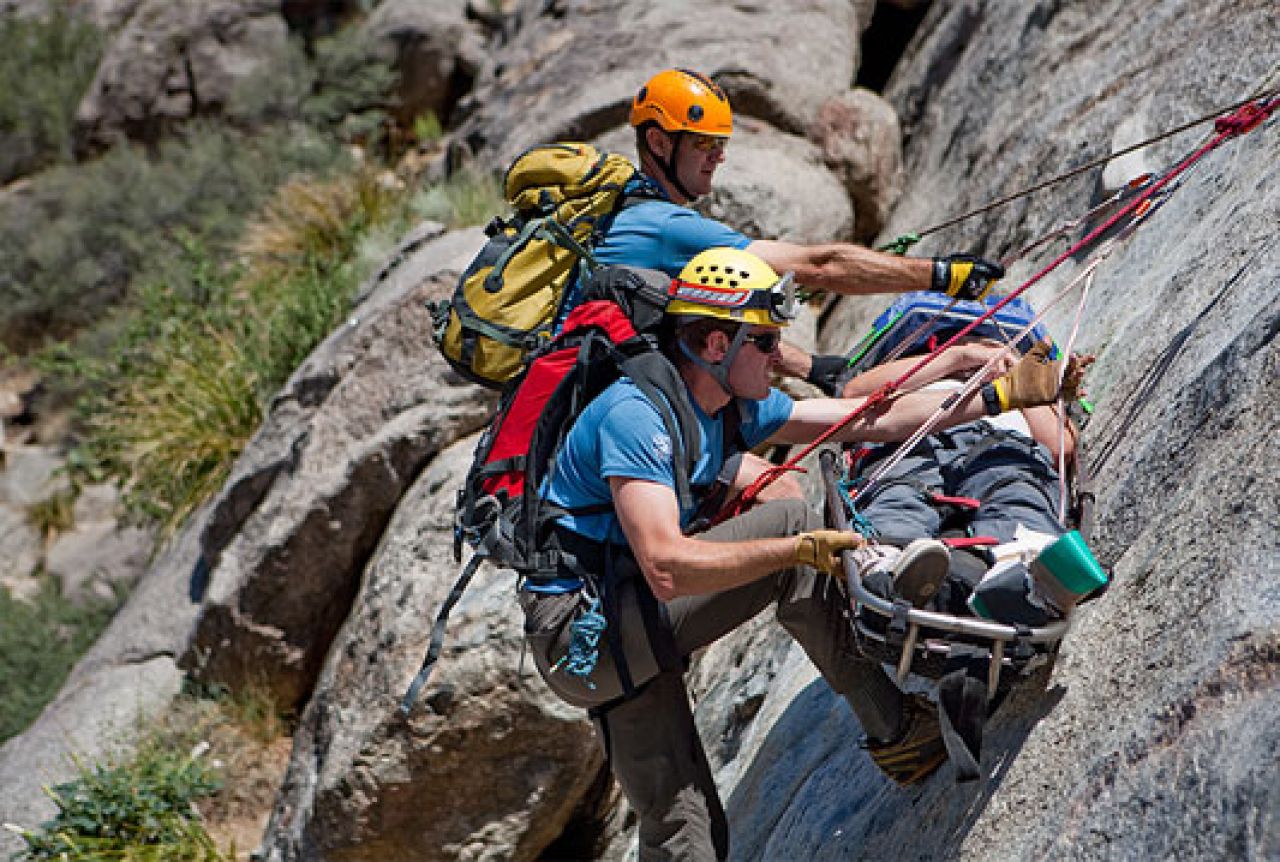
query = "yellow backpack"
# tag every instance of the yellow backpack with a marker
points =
(510, 296)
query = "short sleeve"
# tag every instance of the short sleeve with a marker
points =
(687, 233)
(634, 443)
(763, 418)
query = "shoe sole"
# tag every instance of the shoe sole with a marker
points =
(920, 571)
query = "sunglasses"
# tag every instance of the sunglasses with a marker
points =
(765, 342)
(708, 143)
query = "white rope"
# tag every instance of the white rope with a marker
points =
(973, 383)
(1062, 407)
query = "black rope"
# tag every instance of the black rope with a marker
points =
(1101, 160)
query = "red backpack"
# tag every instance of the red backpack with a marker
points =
(500, 511)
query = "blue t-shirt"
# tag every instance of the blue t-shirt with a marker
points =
(659, 234)
(656, 234)
(621, 434)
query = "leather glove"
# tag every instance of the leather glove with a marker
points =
(821, 549)
(1030, 383)
(965, 276)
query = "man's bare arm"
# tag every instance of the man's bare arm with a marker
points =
(845, 268)
(678, 565)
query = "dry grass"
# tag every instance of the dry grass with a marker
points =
(308, 220)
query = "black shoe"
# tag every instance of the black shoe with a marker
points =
(962, 713)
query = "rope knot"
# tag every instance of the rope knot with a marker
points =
(1245, 119)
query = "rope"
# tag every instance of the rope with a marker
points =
(1246, 117)
(584, 644)
(904, 242)
(972, 384)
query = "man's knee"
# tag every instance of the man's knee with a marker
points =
(767, 521)
(793, 515)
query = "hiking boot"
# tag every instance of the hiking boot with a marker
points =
(920, 570)
(918, 751)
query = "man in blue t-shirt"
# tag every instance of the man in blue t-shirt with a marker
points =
(683, 122)
(630, 550)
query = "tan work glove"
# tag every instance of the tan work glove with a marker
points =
(1034, 380)
(821, 549)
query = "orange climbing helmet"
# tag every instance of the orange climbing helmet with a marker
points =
(679, 100)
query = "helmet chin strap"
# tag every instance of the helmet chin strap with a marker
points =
(668, 167)
(719, 371)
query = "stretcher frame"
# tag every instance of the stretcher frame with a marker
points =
(1011, 646)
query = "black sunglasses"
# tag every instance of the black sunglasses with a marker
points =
(765, 342)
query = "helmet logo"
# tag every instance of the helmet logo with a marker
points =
(695, 113)
(702, 295)
(642, 95)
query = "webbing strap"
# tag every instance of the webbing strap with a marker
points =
(437, 632)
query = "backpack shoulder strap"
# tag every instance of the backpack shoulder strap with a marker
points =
(662, 384)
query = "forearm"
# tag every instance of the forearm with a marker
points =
(678, 565)
(875, 378)
(691, 566)
(894, 419)
(1048, 429)
(845, 268)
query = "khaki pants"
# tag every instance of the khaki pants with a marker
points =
(650, 738)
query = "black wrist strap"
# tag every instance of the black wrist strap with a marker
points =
(825, 371)
(941, 281)
(990, 399)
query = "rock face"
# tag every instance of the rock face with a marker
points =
(1153, 735)
(489, 738)
(173, 61)
(571, 67)
(309, 502)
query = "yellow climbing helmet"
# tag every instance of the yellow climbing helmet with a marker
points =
(679, 100)
(735, 285)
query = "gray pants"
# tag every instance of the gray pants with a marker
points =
(650, 738)
(1012, 475)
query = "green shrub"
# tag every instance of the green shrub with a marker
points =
(465, 198)
(352, 88)
(39, 642)
(135, 809)
(46, 64)
(345, 90)
(427, 128)
(75, 244)
(173, 401)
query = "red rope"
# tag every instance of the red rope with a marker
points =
(1241, 121)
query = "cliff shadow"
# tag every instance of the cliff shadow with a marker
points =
(811, 791)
